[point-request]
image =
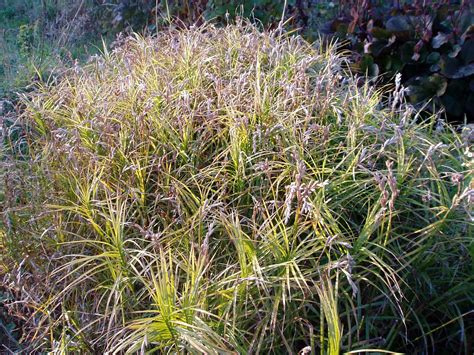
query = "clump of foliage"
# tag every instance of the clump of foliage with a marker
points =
(234, 191)
(430, 42)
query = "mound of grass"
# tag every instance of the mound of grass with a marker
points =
(232, 191)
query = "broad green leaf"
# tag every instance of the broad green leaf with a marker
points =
(398, 24)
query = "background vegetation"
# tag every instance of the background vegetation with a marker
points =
(231, 189)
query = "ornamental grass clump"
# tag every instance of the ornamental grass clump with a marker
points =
(226, 190)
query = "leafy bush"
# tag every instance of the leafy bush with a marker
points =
(431, 43)
(232, 191)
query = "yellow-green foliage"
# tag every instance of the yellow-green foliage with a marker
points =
(231, 191)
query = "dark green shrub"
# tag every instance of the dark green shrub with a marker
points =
(431, 43)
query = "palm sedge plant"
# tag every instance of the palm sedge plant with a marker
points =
(227, 190)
